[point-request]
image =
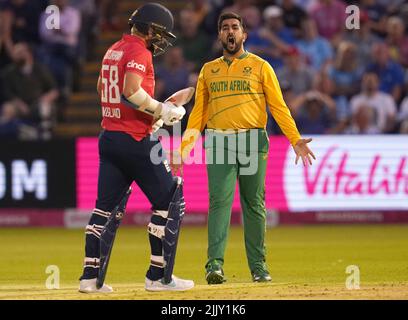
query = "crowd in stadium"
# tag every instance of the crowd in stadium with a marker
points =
(339, 74)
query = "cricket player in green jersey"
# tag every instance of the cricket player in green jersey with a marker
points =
(232, 95)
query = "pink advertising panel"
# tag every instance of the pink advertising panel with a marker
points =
(351, 173)
(195, 178)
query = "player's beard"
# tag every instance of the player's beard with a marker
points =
(232, 48)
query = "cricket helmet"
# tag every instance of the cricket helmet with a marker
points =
(159, 20)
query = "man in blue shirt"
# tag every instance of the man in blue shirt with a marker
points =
(317, 50)
(272, 41)
(390, 73)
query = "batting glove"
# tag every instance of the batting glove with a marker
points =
(171, 114)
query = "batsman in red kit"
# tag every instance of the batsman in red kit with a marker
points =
(130, 115)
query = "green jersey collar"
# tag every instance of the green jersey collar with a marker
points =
(242, 56)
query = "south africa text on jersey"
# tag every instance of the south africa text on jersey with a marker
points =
(233, 85)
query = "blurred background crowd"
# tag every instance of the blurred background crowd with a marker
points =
(335, 80)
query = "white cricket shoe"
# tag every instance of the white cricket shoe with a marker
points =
(89, 286)
(176, 284)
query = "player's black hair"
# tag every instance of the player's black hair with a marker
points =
(230, 15)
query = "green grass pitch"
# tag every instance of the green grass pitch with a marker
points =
(306, 262)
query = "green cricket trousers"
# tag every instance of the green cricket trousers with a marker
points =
(231, 156)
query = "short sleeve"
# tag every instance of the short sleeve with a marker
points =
(137, 62)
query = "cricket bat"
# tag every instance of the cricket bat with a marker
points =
(178, 98)
(182, 96)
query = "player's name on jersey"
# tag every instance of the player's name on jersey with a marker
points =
(113, 55)
(232, 85)
(111, 112)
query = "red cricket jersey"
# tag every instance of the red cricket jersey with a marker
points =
(127, 55)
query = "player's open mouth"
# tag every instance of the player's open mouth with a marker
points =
(231, 40)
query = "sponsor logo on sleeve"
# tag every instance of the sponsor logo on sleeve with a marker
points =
(138, 66)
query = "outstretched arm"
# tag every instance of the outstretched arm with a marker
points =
(283, 117)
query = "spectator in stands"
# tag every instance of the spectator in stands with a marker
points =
(60, 46)
(86, 39)
(9, 122)
(397, 40)
(172, 75)
(390, 73)
(30, 89)
(391, 6)
(12, 127)
(251, 17)
(200, 10)
(383, 103)
(363, 121)
(20, 20)
(273, 40)
(330, 17)
(256, 42)
(195, 43)
(109, 18)
(314, 112)
(403, 116)
(287, 92)
(377, 15)
(296, 73)
(273, 17)
(317, 50)
(209, 23)
(403, 14)
(345, 72)
(363, 39)
(306, 5)
(324, 84)
(4, 53)
(293, 15)
(89, 26)
(239, 5)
